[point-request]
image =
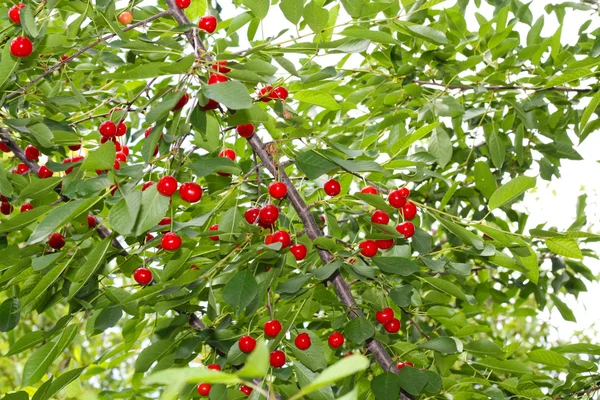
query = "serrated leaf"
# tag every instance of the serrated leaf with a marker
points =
(359, 329)
(449, 288)
(563, 308)
(315, 16)
(153, 208)
(123, 215)
(548, 357)
(510, 191)
(232, 94)
(240, 290)
(152, 353)
(10, 314)
(94, 260)
(564, 246)
(292, 10)
(100, 159)
(260, 8)
(317, 98)
(396, 265)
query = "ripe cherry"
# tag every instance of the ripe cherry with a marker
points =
(183, 3)
(404, 192)
(125, 150)
(56, 241)
(180, 104)
(26, 207)
(396, 199)
(384, 316)
(221, 66)
(14, 13)
(6, 208)
(409, 211)
(277, 359)
(405, 364)
(368, 248)
(108, 129)
(170, 241)
(277, 190)
(32, 153)
(369, 190)
(332, 187)
(21, 47)
(335, 340)
(22, 168)
(208, 23)
(45, 172)
(246, 390)
(211, 105)
(247, 344)
(167, 185)
(214, 227)
(91, 220)
(392, 326)
(217, 78)
(4, 147)
(117, 165)
(245, 130)
(406, 228)
(384, 244)
(214, 367)
(272, 328)
(279, 93)
(125, 18)
(229, 153)
(121, 129)
(143, 276)
(269, 239)
(269, 214)
(146, 185)
(204, 389)
(121, 157)
(264, 94)
(251, 215)
(190, 192)
(75, 147)
(299, 251)
(303, 341)
(282, 237)
(165, 221)
(380, 217)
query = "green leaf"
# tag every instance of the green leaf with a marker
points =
(8, 64)
(190, 375)
(101, 158)
(240, 290)
(587, 113)
(401, 295)
(463, 234)
(568, 76)
(484, 179)
(510, 191)
(374, 36)
(123, 215)
(314, 356)
(359, 329)
(196, 9)
(386, 386)
(512, 367)
(396, 265)
(161, 110)
(406, 141)
(564, 246)
(292, 10)
(155, 352)
(23, 220)
(40, 360)
(42, 134)
(38, 188)
(260, 8)
(43, 285)
(28, 22)
(548, 357)
(55, 219)
(415, 381)
(10, 314)
(306, 377)
(449, 288)
(154, 208)
(61, 382)
(95, 259)
(315, 16)
(441, 147)
(257, 363)
(443, 345)
(448, 106)
(232, 94)
(317, 98)
(347, 366)
(497, 149)
(428, 33)
(564, 310)
(313, 165)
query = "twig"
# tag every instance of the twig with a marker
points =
(192, 36)
(17, 151)
(579, 393)
(505, 87)
(413, 322)
(258, 178)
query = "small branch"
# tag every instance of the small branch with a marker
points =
(83, 50)
(194, 39)
(579, 393)
(258, 178)
(493, 88)
(414, 323)
(17, 151)
(269, 306)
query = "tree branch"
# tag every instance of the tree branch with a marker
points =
(498, 88)
(17, 151)
(192, 35)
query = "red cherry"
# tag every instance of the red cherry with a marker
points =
(121, 157)
(246, 390)
(368, 248)
(14, 13)
(204, 389)
(269, 214)
(63, 58)
(393, 326)
(211, 105)
(217, 78)
(406, 228)
(208, 23)
(279, 93)
(56, 241)
(165, 221)
(404, 192)
(75, 147)
(125, 18)
(21, 47)
(380, 217)
(264, 94)
(245, 130)
(332, 187)
(180, 104)
(409, 211)
(405, 364)
(214, 227)
(32, 153)
(303, 341)
(117, 165)
(22, 168)
(146, 185)
(214, 367)
(167, 185)
(148, 131)
(299, 251)
(91, 220)
(117, 145)
(6, 208)
(143, 276)
(108, 129)
(396, 199)
(272, 328)
(384, 244)
(277, 359)
(4, 147)
(170, 241)
(282, 237)
(369, 190)
(121, 129)
(125, 150)
(384, 316)
(190, 192)
(113, 189)
(251, 215)
(277, 190)
(269, 239)
(26, 207)
(220, 66)
(228, 153)
(183, 3)
(336, 340)
(247, 344)
(44, 172)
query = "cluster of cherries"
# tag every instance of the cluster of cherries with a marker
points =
(20, 46)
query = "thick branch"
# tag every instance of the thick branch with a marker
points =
(498, 88)
(192, 35)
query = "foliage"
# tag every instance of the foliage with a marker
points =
(469, 118)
